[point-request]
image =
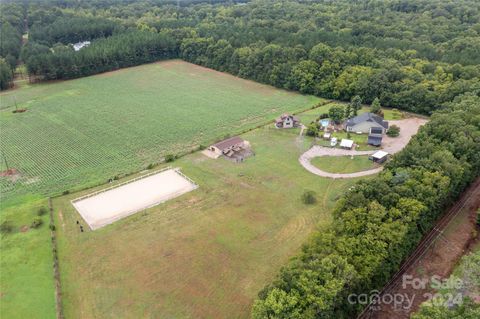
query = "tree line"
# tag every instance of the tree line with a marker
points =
(379, 221)
(106, 54)
(405, 82)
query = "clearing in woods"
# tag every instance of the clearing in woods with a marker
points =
(205, 254)
(82, 132)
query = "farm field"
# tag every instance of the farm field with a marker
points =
(27, 286)
(205, 254)
(343, 164)
(83, 132)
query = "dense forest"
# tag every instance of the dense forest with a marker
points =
(411, 54)
(417, 55)
(380, 221)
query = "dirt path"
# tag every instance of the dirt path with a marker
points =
(436, 255)
(392, 145)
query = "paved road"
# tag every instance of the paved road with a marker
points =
(392, 145)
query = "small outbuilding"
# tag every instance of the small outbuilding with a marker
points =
(346, 144)
(379, 157)
(234, 148)
(327, 136)
(287, 121)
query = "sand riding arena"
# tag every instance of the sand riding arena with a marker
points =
(106, 206)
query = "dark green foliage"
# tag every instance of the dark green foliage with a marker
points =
(169, 158)
(376, 108)
(6, 227)
(393, 131)
(478, 217)
(37, 222)
(6, 75)
(42, 211)
(102, 55)
(379, 221)
(312, 129)
(309, 198)
(336, 114)
(150, 166)
(323, 116)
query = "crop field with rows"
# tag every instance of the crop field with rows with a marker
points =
(79, 133)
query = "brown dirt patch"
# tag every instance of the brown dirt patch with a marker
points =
(24, 228)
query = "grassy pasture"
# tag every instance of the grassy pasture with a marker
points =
(205, 254)
(26, 276)
(82, 132)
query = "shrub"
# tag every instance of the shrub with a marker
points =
(52, 227)
(312, 130)
(393, 131)
(66, 192)
(478, 217)
(6, 227)
(201, 147)
(309, 198)
(37, 222)
(324, 116)
(150, 166)
(169, 158)
(41, 211)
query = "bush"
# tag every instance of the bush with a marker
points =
(169, 158)
(393, 131)
(66, 192)
(41, 211)
(309, 198)
(6, 227)
(150, 166)
(323, 116)
(478, 217)
(37, 222)
(52, 227)
(312, 130)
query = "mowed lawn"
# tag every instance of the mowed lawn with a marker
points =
(206, 254)
(343, 164)
(83, 132)
(26, 263)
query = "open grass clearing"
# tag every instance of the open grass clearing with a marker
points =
(26, 277)
(207, 253)
(343, 164)
(82, 132)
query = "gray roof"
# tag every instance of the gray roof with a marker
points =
(370, 117)
(229, 142)
(374, 140)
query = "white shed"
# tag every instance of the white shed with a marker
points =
(348, 144)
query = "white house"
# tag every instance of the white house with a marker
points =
(287, 121)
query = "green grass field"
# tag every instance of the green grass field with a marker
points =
(83, 132)
(27, 286)
(205, 254)
(343, 164)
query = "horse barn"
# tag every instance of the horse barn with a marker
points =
(235, 149)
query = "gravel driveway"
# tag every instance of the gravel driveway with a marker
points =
(392, 145)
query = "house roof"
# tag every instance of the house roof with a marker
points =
(364, 117)
(379, 154)
(376, 130)
(284, 116)
(346, 143)
(232, 141)
(374, 140)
